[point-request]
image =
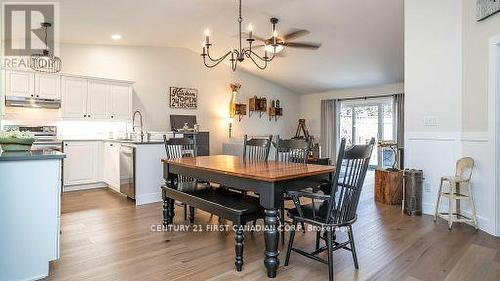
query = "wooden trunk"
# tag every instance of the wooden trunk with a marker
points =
(388, 187)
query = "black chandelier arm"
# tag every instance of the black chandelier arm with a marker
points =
(249, 54)
(256, 64)
(216, 62)
(219, 59)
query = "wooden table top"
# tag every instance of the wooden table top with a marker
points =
(270, 171)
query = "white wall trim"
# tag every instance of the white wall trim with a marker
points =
(148, 198)
(68, 188)
(493, 116)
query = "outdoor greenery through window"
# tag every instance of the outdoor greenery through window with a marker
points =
(362, 119)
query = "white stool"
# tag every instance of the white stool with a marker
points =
(461, 179)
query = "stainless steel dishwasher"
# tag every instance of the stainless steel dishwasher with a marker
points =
(127, 170)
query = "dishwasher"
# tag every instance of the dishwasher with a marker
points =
(127, 170)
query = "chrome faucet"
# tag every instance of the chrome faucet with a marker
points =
(141, 126)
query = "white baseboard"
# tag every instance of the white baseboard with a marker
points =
(68, 188)
(483, 222)
(148, 198)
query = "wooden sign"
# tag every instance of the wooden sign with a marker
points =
(487, 8)
(183, 98)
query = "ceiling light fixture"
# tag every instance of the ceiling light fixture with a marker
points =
(116, 37)
(46, 61)
(239, 54)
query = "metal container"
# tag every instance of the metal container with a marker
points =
(413, 192)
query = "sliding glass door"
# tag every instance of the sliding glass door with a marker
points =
(360, 120)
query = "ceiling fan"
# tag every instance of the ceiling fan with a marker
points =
(287, 41)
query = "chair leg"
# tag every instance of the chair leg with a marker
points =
(473, 207)
(436, 210)
(329, 243)
(185, 212)
(318, 235)
(282, 220)
(353, 247)
(192, 211)
(451, 199)
(290, 243)
(238, 247)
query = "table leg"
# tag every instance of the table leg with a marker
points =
(167, 220)
(271, 253)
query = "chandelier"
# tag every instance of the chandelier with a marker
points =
(46, 61)
(238, 55)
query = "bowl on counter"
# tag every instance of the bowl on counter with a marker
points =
(16, 144)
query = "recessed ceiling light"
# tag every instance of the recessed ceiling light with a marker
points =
(116, 37)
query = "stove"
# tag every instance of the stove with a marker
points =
(45, 136)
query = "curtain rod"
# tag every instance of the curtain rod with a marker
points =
(369, 97)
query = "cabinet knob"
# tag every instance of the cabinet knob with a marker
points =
(110, 144)
(37, 96)
(112, 116)
(84, 115)
(65, 144)
(32, 95)
(88, 115)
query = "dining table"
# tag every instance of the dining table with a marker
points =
(269, 179)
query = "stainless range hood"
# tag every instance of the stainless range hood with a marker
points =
(32, 102)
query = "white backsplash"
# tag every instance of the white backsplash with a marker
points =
(65, 128)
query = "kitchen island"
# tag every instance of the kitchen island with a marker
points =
(30, 209)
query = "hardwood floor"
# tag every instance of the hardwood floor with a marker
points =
(105, 237)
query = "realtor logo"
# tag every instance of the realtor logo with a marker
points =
(23, 34)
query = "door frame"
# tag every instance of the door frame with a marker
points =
(494, 120)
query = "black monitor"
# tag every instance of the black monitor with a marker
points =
(177, 121)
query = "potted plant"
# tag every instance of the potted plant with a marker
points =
(16, 140)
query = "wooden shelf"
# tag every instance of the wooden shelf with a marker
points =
(275, 112)
(256, 104)
(240, 109)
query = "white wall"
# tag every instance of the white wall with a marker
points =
(439, 79)
(154, 70)
(310, 105)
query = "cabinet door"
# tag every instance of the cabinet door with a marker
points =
(47, 86)
(112, 165)
(121, 101)
(81, 162)
(98, 99)
(19, 83)
(74, 97)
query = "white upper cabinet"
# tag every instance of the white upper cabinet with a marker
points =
(74, 97)
(19, 83)
(121, 101)
(47, 86)
(98, 99)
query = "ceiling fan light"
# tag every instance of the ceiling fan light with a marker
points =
(272, 49)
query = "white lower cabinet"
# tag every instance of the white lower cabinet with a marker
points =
(111, 165)
(81, 165)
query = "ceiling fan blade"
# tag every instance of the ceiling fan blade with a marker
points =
(303, 45)
(295, 34)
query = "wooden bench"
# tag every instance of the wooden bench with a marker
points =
(234, 206)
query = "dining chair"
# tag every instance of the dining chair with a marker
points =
(256, 149)
(462, 178)
(293, 151)
(179, 148)
(337, 208)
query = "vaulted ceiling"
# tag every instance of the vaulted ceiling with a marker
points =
(362, 41)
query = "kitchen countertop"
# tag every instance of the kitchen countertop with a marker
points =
(46, 154)
(135, 142)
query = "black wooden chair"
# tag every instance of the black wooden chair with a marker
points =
(231, 205)
(256, 149)
(295, 151)
(179, 148)
(338, 207)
